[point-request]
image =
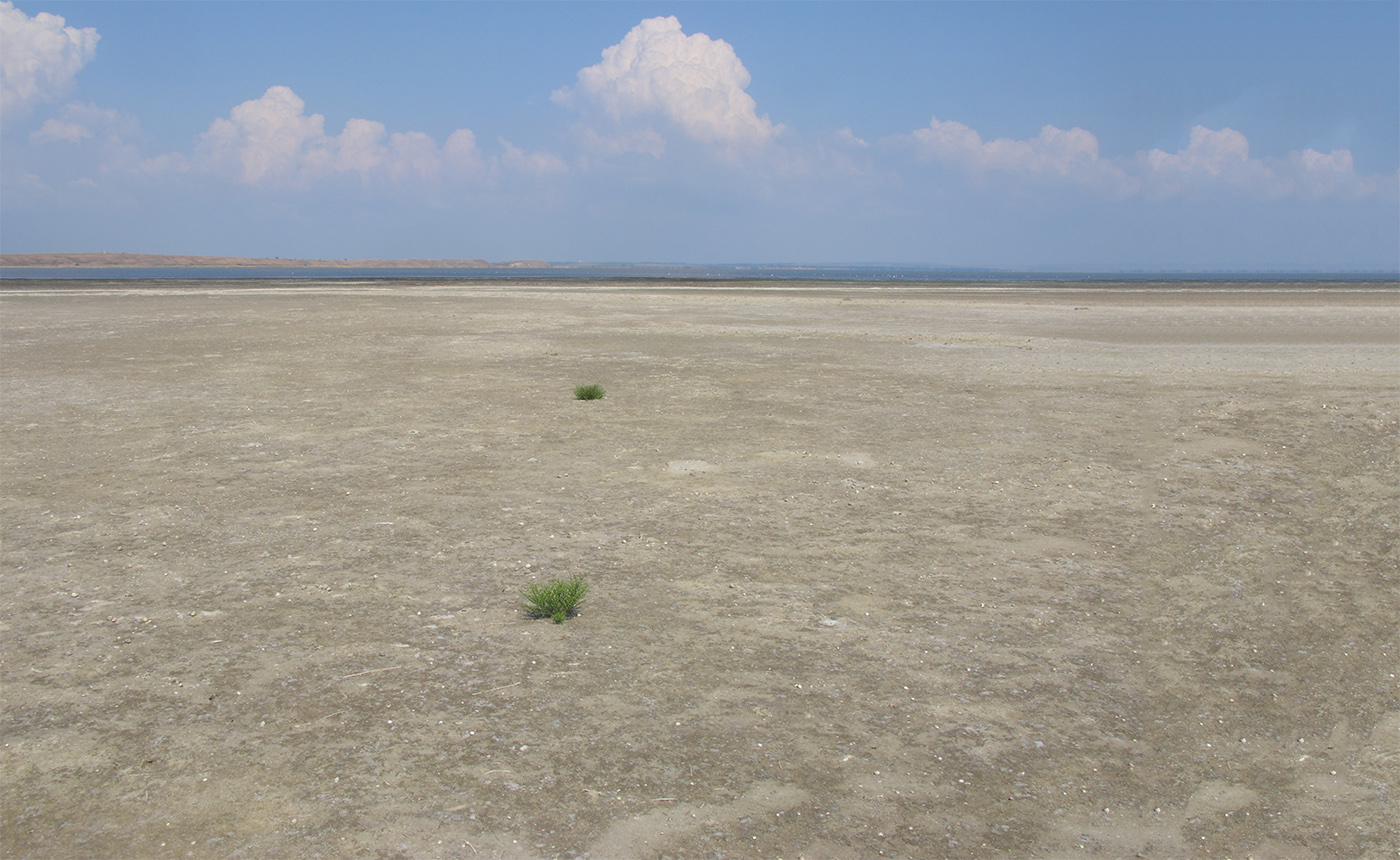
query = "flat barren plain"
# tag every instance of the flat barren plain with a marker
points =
(914, 572)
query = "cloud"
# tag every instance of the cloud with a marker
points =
(848, 138)
(413, 153)
(1055, 155)
(266, 138)
(1219, 158)
(1054, 150)
(272, 141)
(460, 153)
(39, 56)
(646, 141)
(1212, 160)
(54, 129)
(538, 163)
(1315, 174)
(87, 138)
(29, 182)
(695, 82)
(1210, 151)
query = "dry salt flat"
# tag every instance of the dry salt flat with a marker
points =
(954, 571)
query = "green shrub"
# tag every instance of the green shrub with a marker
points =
(589, 392)
(557, 600)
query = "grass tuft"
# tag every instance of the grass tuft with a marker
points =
(556, 600)
(589, 392)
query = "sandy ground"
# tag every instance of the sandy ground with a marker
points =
(910, 573)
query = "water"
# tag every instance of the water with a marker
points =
(887, 274)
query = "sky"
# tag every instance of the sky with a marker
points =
(1074, 136)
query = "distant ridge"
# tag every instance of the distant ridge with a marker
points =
(182, 261)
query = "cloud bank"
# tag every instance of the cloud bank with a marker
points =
(39, 56)
(695, 82)
(1055, 150)
(1213, 159)
(271, 141)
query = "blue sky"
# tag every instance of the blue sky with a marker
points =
(1178, 136)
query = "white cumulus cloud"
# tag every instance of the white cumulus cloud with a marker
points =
(1211, 151)
(39, 56)
(696, 82)
(266, 138)
(272, 141)
(1054, 150)
(1212, 160)
(1317, 174)
(1056, 155)
(460, 153)
(1215, 158)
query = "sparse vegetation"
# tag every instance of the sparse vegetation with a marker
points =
(589, 392)
(556, 600)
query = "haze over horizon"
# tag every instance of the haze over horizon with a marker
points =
(1145, 136)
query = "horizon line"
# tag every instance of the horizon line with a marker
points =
(136, 260)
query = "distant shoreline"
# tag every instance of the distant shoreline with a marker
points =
(186, 261)
(125, 266)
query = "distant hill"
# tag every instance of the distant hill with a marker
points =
(177, 261)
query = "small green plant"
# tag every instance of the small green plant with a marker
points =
(589, 392)
(556, 600)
